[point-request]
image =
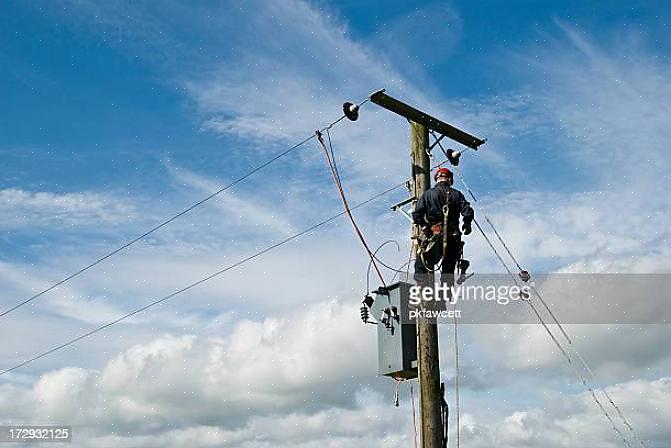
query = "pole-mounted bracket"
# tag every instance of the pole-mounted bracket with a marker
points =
(382, 99)
(400, 207)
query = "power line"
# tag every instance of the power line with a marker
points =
(554, 339)
(563, 351)
(582, 360)
(197, 283)
(169, 220)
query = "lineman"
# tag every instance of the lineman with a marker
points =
(429, 215)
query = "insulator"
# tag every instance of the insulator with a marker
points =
(351, 111)
(387, 317)
(368, 300)
(394, 313)
(453, 156)
(364, 314)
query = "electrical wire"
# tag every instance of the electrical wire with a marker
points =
(555, 320)
(568, 358)
(555, 341)
(400, 270)
(407, 269)
(510, 254)
(196, 283)
(171, 219)
(505, 246)
(193, 285)
(370, 263)
(582, 360)
(552, 315)
(584, 363)
(330, 159)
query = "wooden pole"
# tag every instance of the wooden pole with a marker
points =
(427, 333)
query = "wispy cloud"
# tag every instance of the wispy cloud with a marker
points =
(266, 74)
(612, 103)
(21, 209)
(239, 211)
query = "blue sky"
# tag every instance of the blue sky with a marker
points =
(115, 115)
(69, 90)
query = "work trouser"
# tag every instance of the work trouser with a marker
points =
(425, 264)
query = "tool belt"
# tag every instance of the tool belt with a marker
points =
(437, 230)
(430, 234)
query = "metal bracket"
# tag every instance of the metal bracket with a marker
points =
(399, 207)
(438, 139)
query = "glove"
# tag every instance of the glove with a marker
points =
(466, 228)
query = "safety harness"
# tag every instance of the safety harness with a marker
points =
(429, 237)
(432, 232)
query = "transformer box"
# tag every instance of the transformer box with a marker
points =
(397, 342)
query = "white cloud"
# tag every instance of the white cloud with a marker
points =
(21, 282)
(268, 376)
(254, 382)
(177, 390)
(576, 420)
(240, 212)
(20, 209)
(612, 102)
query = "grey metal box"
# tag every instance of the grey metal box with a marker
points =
(397, 343)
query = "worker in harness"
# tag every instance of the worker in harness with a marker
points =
(437, 214)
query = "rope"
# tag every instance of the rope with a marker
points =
(197, 283)
(457, 378)
(336, 178)
(414, 417)
(169, 220)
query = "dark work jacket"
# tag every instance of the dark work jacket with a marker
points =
(429, 208)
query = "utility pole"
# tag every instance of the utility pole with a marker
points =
(427, 333)
(430, 396)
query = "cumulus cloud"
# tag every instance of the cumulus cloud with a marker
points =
(256, 383)
(574, 420)
(259, 367)
(269, 376)
(177, 390)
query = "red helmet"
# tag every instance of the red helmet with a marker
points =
(442, 172)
